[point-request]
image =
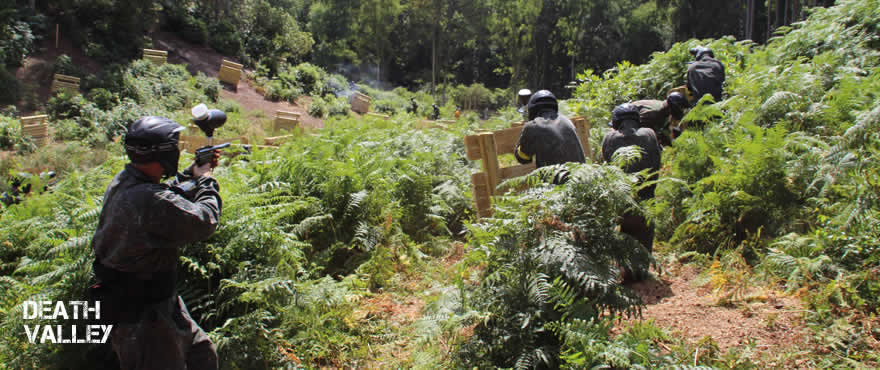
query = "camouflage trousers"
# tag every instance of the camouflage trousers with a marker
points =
(165, 337)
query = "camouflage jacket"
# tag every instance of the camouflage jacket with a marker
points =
(143, 225)
(549, 142)
(653, 114)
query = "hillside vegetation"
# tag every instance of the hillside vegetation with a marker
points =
(779, 192)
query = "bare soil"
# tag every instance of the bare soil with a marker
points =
(204, 59)
(36, 74)
(679, 303)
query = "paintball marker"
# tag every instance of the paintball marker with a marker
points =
(208, 120)
(206, 154)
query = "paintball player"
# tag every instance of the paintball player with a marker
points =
(436, 112)
(626, 132)
(142, 226)
(522, 99)
(661, 115)
(20, 187)
(413, 106)
(705, 75)
(548, 137)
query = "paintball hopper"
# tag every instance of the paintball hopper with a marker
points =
(208, 120)
(523, 99)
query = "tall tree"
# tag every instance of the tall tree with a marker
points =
(375, 22)
(513, 23)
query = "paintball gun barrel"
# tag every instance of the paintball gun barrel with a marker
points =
(206, 154)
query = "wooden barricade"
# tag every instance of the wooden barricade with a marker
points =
(64, 82)
(487, 146)
(158, 57)
(37, 128)
(425, 124)
(683, 90)
(276, 141)
(285, 120)
(230, 72)
(360, 103)
(191, 143)
(378, 115)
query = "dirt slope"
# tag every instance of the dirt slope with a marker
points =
(679, 303)
(201, 58)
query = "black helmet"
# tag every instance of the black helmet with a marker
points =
(699, 51)
(154, 139)
(542, 100)
(624, 112)
(677, 104)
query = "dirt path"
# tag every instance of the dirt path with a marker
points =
(679, 303)
(201, 58)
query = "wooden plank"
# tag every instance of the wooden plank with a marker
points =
(378, 115)
(472, 147)
(231, 64)
(582, 127)
(286, 120)
(508, 173)
(506, 139)
(277, 140)
(157, 60)
(360, 103)
(154, 52)
(34, 120)
(489, 159)
(158, 57)
(229, 75)
(191, 143)
(65, 78)
(482, 199)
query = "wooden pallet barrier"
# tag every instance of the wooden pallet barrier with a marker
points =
(191, 143)
(285, 120)
(378, 115)
(360, 103)
(37, 128)
(230, 72)
(487, 146)
(158, 57)
(276, 141)
(64, 82)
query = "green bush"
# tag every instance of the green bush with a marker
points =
(11, 91)
(11, 137)
(225, 38)
(553, 257)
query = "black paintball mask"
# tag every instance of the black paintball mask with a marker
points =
(700, 51)
(677, 104)
(540, 101)
(154, 139)
(622, 113)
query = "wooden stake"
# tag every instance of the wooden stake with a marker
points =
(56, 35)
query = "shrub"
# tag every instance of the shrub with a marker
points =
(11, 91)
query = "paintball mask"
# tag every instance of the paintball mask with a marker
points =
(677, 104)
(699, 51)
(540, 101)
(152, 139)
(624, 112)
